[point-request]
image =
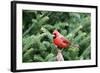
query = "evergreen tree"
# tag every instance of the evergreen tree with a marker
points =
(37, 35)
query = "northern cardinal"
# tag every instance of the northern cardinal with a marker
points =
(59, 40)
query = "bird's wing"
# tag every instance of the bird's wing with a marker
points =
(65, 40)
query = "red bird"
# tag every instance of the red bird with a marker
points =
(59, 40)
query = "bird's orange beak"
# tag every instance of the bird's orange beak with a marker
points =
(54, 36)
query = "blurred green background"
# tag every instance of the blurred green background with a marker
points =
(37, 35)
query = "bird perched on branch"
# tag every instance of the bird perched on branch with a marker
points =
(60, 42)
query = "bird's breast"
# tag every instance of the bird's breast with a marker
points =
(59, 43)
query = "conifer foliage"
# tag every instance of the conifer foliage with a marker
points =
(37, 40)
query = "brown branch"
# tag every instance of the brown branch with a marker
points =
(59, 56)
